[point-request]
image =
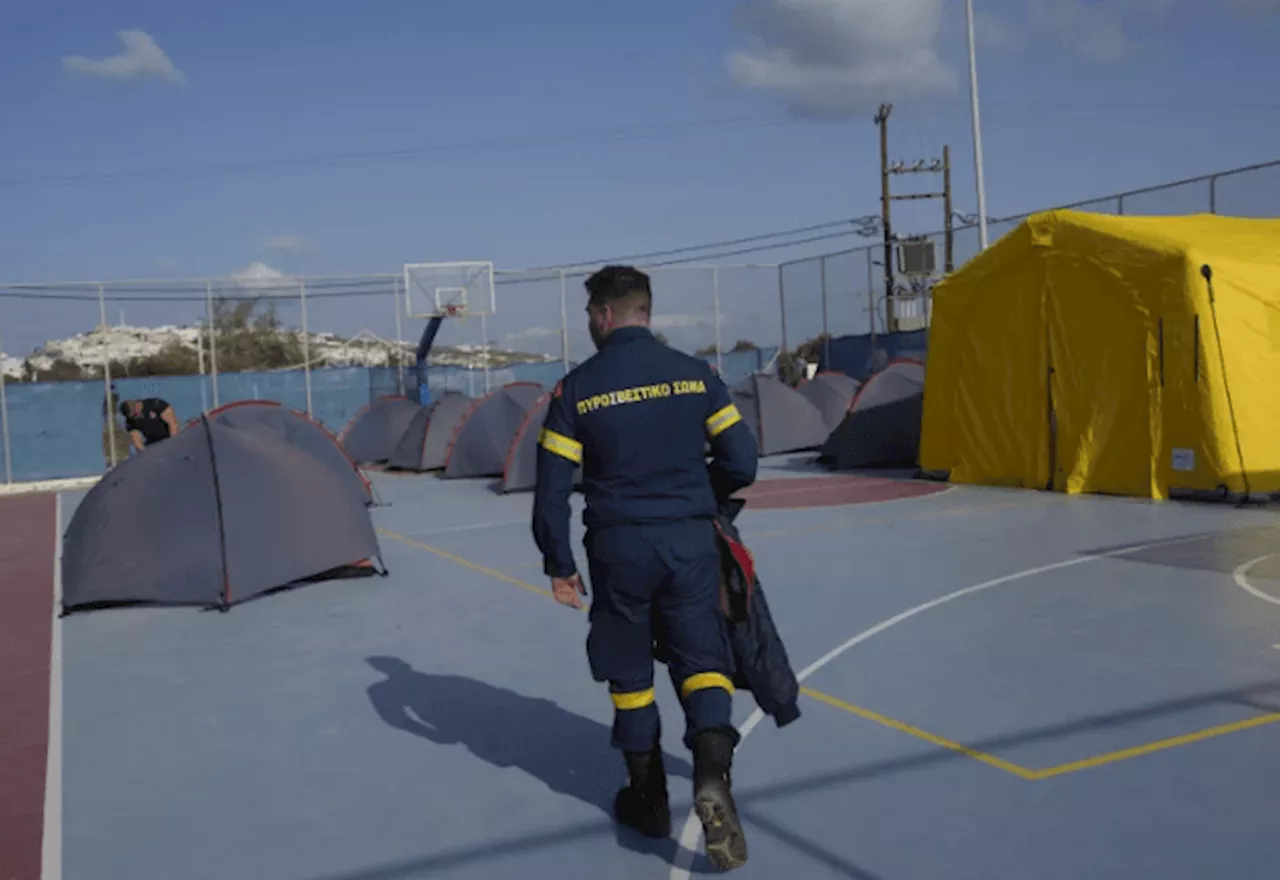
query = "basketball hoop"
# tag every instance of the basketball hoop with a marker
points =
(454, 310)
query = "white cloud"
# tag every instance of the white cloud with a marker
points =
(259, 276)
(141, 59)
(833, 57)
(676, 322)
(532, 333)
(285, 244)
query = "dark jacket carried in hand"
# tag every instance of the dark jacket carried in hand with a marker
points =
(760, 659)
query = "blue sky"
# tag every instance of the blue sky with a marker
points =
(323, 137)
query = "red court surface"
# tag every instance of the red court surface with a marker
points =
(27, 539)
(832, 491)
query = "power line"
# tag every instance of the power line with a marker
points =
(638, 132)
(162, 290)
(859, 226)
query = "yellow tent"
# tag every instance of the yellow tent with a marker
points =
(1120, 355)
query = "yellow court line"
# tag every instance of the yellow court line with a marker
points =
(1048, 772)
(466, 563)
(1157, 746)
(925, 735)
(900, 726)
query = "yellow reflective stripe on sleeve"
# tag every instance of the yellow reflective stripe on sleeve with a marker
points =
(723, 420)
(636, 700)
(561, 445)
(703, 680)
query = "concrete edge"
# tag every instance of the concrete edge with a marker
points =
(37, 486)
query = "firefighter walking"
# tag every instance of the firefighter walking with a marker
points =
(637, 419)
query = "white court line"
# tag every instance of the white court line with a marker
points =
(692, 831)
(1241, 577)
(489, 525)
(51, 840)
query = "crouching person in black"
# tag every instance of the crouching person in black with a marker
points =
(148, 421)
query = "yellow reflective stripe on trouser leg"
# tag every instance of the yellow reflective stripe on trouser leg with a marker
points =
(563, 446)
(723, 420)
(703, 680)
(634, 700)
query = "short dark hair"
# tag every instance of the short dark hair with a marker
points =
(623, 287)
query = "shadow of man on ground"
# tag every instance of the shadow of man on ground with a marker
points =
(569, 754)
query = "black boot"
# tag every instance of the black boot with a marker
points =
(643, 805)
(726, 845)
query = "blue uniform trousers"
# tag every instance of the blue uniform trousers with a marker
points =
(665, 575)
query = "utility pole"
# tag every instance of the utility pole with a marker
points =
(882, 120)
(922, 166)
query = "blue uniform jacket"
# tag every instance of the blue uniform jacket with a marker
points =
(762, 663)
(638, 417)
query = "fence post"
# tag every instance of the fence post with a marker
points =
(564, 321)
(484, 348)
(826, 333)
(715, 304)
(871, 300)
(1120, 205)
(395, 300)
(782, 307)
(106, 372)
(213, 342)
(4, 426)
(306, 345)
(1213, 194)
(204, 392)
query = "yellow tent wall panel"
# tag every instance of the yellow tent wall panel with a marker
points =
(1105, 295)
(985, 418)
(1244, 368)
(1091, 342)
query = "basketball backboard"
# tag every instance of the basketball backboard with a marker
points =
(449, 289)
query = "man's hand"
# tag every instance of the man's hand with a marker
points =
(567, 590)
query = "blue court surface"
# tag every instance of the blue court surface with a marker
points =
(999, 684)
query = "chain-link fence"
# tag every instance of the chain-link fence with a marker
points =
(847, 294)
(321, 345)
(329, 345)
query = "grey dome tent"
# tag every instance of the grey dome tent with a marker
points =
(779, 416)
(214, 516)
(373, 432)
(521, 470)
(480, 443)
(425, 443)
(832, 393)
(882, 428)
(298, 429)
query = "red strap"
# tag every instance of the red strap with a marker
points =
(742, 558)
